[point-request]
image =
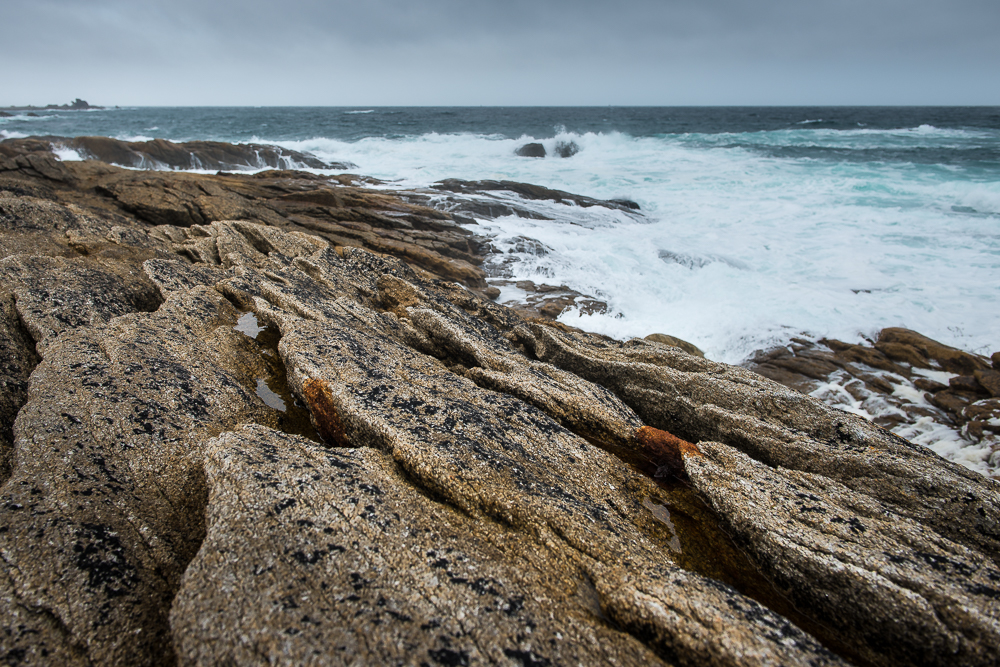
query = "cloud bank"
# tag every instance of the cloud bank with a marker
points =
(517, 52)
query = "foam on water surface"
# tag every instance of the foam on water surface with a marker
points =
(738, 250)
(67, 154)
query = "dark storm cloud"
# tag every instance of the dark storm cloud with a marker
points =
(512, 52)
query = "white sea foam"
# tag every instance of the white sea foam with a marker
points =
(949, 443)
(66, 154)
(12, 134)
(360, 111)
(29, 119)
(133, 137)
(937, 376)
(738, 250)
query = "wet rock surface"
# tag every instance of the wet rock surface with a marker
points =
(246, 441)
(527, 191)
(160, 153)
(927, 392)
(46, 201)
(531, 150)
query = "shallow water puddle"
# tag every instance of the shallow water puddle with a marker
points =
(662, 514)
(273, 389)
(269, 397)
(248, 324)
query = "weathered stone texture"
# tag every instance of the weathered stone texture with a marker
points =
(359, 567)
(702, 400)
(478, 496)
(105, 505)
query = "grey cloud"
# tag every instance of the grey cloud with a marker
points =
(514, 52)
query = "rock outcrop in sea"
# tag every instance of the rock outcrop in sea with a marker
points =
(274, 419)
(930, 393)
(163, 154)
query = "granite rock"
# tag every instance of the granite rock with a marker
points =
(105, 504)
(249, 441)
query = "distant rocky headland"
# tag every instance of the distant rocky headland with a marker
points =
(277, 418)
(75, 105)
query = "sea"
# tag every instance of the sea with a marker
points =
(756, 224)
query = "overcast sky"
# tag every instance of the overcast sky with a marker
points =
(514, 52)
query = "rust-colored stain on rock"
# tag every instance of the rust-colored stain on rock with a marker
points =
(328, 423)
(665, 449)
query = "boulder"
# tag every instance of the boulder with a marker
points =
(968, 383)
(531, 150)
(989, 380)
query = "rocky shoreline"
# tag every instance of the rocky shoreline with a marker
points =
(927, 392)
(276, 418)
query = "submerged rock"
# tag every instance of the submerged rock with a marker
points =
(567, 148)
(534, 149)
(528, 191)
